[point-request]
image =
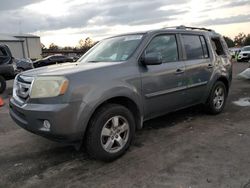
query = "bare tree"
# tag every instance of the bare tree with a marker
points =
(239, 39)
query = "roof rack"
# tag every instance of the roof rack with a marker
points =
(191, 28)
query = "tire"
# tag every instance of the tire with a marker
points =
(217, 98)
(2, 84)
(101, 140)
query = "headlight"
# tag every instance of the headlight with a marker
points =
(52, 86)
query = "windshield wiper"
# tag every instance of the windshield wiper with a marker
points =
(92, 61)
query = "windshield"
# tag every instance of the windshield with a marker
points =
(246, 48)
(112, 49)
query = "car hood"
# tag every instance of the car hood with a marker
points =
(245, 52)
(67, 68)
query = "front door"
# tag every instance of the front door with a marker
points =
(163, 85)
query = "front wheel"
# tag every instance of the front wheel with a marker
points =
(2, 84)
(110, 132)
(217, 99)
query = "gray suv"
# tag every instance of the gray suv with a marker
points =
(122, 81)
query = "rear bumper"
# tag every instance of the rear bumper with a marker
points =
(63, 118)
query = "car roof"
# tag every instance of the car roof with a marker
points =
(177, 29)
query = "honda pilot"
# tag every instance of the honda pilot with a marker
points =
(103, 98)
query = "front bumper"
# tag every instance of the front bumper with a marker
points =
(64, 119)
(244, 57)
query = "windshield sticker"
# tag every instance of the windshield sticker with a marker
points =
(124, 57)
(133, 37)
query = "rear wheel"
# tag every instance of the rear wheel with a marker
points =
(217, 99)
(2, 84)
(110, 132)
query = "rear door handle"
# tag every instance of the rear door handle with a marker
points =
(179, 71)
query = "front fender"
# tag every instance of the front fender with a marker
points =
(96, 98)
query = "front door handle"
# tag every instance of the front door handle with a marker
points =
(179, 71)
(210, 66)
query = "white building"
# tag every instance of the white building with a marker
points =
(23, 45)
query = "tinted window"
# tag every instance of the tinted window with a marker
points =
(217, 46)
(246, 49)
(193, 47)
(60, 57)
(50, 57)
(165, 45)
(2, 52)
(204, 47)
(55, 58)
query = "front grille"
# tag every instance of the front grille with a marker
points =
(244, 54)
(22, 88)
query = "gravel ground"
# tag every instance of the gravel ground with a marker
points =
(185, 149)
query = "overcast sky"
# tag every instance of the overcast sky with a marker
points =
(65, 22)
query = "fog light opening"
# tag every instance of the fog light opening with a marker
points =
(46, 126)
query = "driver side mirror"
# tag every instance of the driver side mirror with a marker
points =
(153, 58)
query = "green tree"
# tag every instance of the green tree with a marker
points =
(247, 40)
(229, 41)
(239, 39)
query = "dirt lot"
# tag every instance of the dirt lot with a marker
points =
(186, 149)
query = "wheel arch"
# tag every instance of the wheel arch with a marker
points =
(224, 80)
(221, 78)
(126, 101)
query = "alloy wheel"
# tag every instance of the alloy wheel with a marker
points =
(115, 134)
(219, 97)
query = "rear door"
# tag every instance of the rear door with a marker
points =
(198, 66)
(163, 85)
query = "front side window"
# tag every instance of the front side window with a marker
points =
(113, 49)
(166, 46)
(193, 47)
(49, 58)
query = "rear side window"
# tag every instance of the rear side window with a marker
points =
(195, 47)
(204, 47)
(165, 45)
(61, 57)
